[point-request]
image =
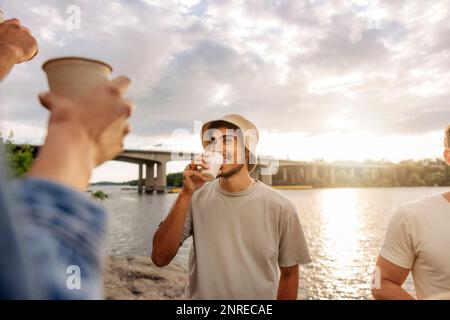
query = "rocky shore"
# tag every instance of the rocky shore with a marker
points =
(135, 278)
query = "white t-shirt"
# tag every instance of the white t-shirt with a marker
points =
(418, 238)
(239, 241)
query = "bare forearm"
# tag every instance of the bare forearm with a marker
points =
(7, 61)
(288, 287)
(65, 157)
(167, 238)
(391, 291)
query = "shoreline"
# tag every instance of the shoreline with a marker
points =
(138, 278)
(281, 187)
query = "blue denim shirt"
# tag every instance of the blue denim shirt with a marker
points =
(51, 241)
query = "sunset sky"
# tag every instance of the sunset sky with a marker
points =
(333, 80)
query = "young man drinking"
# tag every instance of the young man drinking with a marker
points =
(248, 239)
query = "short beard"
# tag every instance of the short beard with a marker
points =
(231, 172)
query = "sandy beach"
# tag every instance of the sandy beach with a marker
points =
(137, 278)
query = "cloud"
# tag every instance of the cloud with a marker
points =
(302, 67)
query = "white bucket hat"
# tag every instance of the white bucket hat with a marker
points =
(249, 131)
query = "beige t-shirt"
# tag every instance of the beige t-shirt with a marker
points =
(418, 238)
(239, 241)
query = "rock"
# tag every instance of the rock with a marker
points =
(135, 277)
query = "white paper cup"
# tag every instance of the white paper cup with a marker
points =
(2, 16)
(74, 77)
(215, 161)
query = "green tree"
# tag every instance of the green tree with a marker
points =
(415, 180)
(175, 179)
(19, 157)
(435, 178)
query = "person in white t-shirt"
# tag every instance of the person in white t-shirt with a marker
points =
(417, 241)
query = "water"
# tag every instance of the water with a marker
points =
(344, 229)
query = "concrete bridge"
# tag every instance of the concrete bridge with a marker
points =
(155, 167)
(155, 163)
(269, 170)
(297, 172)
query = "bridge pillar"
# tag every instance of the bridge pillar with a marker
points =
(266, 178)
(373, 174)
(285, 175)
(161, 179)
(314, 173)
(149, 178)
(288, 176)
(311, 174)
(292, 175)
(140, 179)
(307, 174)
(332, 174)
(299, 175)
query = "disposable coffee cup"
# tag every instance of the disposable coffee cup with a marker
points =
(74, 77)
(215, 161)
(2, 16)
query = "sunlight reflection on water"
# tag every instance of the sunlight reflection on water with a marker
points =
(340, 232)
(344, 229)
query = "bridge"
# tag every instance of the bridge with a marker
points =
(269, 170)
(297, 172)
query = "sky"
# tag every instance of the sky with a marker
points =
(333, 80)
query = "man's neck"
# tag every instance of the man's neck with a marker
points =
(237, 182)
(447, 196)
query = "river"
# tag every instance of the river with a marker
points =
(344, 229)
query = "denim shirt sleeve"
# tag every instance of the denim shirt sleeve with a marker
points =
(63, 234)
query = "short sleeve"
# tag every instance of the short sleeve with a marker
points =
(398, 245)
(293, 248)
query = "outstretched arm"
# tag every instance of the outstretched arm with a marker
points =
(59, 232)
(62, 231)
